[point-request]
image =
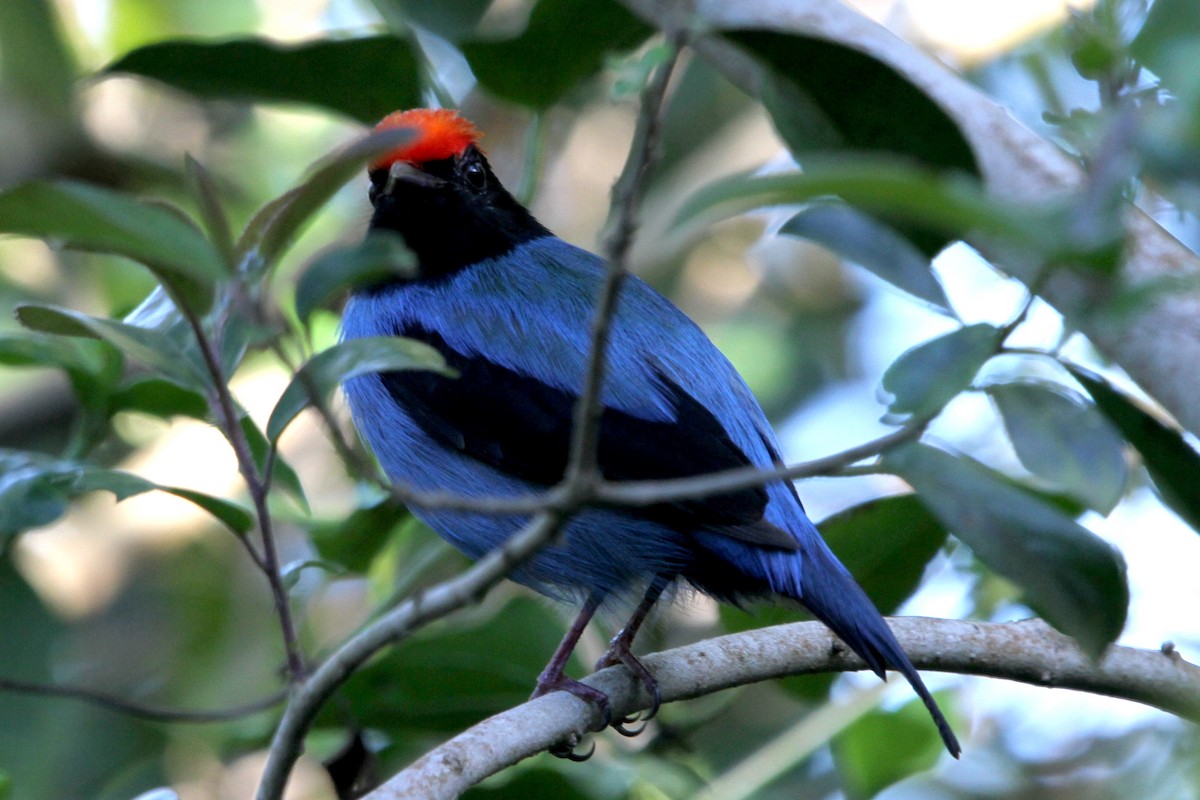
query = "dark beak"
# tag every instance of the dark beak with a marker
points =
(403, 172)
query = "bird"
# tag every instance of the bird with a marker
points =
(507, 304)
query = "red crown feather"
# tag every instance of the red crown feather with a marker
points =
(441, 133)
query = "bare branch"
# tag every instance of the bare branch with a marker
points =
(1030, 652)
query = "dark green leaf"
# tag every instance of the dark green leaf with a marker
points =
(1170, 460)
(160, 398)
(381, 255)
(364, 78)
(545, 783)
(204, 191)
(564, 43)
(884, 747)
(292, 572)
(450, 19)
(355, 540)
(886, 544)
(325, 371)
(872, 245)
(925, 378)
(449, 676)
(863, 103)
(149, 346)
(1064, 441)
(91, 218)
(276, 224)
(1069, 575)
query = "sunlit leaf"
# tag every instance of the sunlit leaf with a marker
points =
(275, 225)
(364, 78)
(1171, 461)
(1064, 441)
(1069, 575)
(325, 372)
(564, 43)
(925, 378)
(381, 255)
(152, 348)
(872, 245)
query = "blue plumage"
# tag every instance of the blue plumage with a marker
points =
(512, 318)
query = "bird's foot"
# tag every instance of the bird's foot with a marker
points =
(555, 681)
(619, 653)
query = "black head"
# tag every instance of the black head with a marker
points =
(452, 212)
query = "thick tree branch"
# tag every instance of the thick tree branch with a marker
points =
(1016, 164)
(1030, 652)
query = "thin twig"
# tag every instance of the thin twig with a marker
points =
(229, 422)
(113, 703)
(627, 194)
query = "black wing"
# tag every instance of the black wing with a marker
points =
(522, 426)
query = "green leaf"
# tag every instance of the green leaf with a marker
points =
(204, 191)
(381, 255)
(275, 225)
(1064, 441)
(1171, 461)
(325, 371)
(449, 676)
(364, 78)
(35, 490)
(1068, 574)
(564, 43)
(160, 398)
(149, 346)
(860, 103)
(872, 245)
(292, 571)
(925, 378)
(229, 514)
(886, 544)
(355, 540)
(893, 188)
(88, 217)
(884, 747)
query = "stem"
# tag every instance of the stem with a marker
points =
(229, 422)
(627, 194)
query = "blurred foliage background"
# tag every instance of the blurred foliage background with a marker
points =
(1049, 461)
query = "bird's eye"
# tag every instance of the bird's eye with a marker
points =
(475, 176)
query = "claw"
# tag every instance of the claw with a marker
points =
(619, 653)
(567, 750)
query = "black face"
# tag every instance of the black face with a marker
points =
(453, 214)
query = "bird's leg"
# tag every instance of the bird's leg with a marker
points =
(552, 678)
(619, 652)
